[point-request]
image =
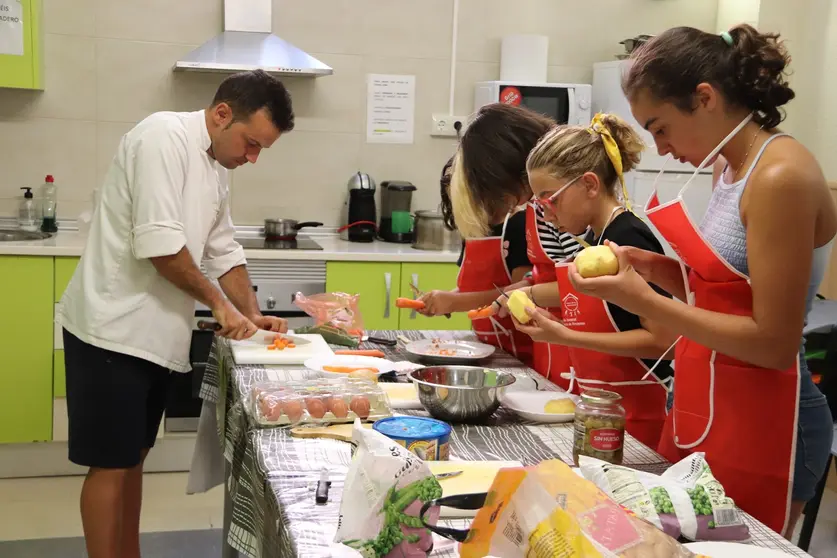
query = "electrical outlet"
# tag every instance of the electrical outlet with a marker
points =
(444, 125)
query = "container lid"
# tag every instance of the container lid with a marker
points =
(412, 427)
(50, 178)
(399, 186)
(28, 193)
(600, 397)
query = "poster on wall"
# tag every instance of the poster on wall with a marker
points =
(390, 108)
(11, 27)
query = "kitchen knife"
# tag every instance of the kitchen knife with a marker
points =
(261, 337)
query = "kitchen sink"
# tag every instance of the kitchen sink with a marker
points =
(16, 235)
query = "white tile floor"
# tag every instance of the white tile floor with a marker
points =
(48, 507)
(42, 508)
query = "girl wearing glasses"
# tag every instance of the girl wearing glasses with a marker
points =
(743, 394)
(576, 176)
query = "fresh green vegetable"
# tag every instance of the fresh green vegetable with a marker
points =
(396, 502)
(331, 334)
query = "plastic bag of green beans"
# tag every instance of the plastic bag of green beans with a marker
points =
(684, 501)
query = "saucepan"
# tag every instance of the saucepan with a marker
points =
(285, 229)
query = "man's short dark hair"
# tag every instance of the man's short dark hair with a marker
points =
(248, 92)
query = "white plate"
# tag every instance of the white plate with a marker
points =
(382, 365)
(734, 550)
(529, 405)
(463, 351)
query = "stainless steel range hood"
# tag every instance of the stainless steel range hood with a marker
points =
(248, 44)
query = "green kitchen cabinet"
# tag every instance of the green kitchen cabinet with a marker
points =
(21, 44)
(59, 379)
(26, 332)
(427, 277)
(377, 284)
(64, 269)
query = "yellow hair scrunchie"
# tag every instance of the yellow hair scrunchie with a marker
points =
(597, 126)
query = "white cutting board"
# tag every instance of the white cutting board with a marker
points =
(251, 353)
(477, 477)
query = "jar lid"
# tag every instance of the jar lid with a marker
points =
(600, 397)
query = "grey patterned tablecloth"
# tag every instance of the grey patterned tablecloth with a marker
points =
(272, 476)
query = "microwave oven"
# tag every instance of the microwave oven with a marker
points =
(566, 103)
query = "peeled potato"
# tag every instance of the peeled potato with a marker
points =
(518, 303)
(563, 406)
(365, 374)
(596, 261)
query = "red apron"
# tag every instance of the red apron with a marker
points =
(644, 399)
(484, 266)
(743, 417)
(548, 360)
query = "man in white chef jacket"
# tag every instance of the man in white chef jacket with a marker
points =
(128, 311)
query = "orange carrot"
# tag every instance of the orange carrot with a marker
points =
(343, 369)
(409, 303)
(361, 352)
(483, 312)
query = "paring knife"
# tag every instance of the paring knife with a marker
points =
(501, 291)
(418, 293)
(261, 336)
(443, 476)
(580, 240)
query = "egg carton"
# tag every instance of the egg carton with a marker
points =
(319, 401)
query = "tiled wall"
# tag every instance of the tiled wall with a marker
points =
(108, 64)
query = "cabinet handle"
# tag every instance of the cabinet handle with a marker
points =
(388, 283)
(413, 314)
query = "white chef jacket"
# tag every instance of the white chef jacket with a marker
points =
(162, 192)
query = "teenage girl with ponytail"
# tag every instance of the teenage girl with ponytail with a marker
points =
(743, 394)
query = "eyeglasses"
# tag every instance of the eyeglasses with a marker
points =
(549, 202)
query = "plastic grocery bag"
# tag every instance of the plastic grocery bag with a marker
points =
(336, 317)
(383, 495)
(685, 501)
(549, 511)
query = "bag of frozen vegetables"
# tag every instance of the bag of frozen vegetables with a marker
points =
(686, 500)
(385, 489)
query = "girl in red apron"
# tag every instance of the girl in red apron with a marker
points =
(499, 259)
(743, 395)
(574, 171)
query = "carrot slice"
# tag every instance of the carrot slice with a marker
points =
(483, 312)
(409, 303)
(361, 352)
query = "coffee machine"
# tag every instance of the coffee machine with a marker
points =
(359, 211)
(396, 217)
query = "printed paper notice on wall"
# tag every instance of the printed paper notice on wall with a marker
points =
(390, 108)
(11, 27)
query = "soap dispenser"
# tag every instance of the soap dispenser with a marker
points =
(27, 215)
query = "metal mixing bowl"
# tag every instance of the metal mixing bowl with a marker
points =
(460, 393)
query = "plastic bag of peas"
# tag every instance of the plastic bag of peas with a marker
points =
(385, 489)
(684, 501)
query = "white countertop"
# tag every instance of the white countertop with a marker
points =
(71, 243)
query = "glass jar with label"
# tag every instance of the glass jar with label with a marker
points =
(599, 426)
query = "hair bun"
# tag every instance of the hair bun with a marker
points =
(761, 60)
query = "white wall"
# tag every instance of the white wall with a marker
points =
(734, 12)
(108, 64)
